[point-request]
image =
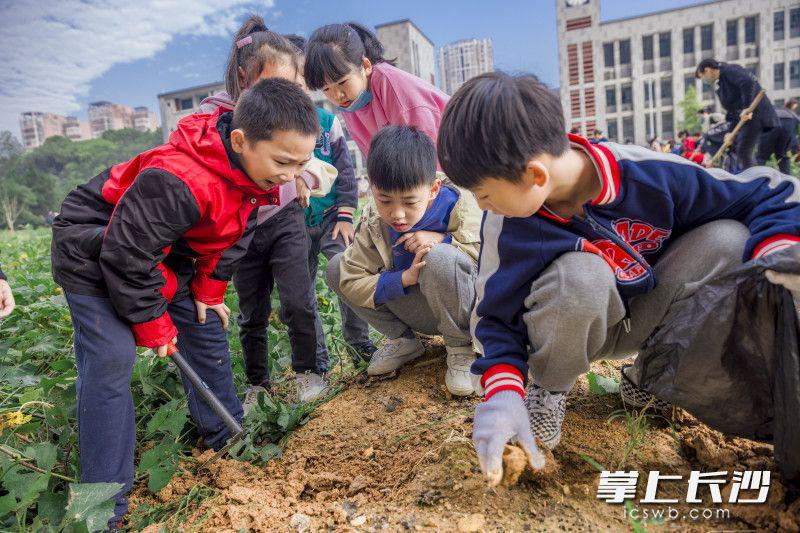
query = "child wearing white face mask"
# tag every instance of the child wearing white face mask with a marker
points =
(346, 62)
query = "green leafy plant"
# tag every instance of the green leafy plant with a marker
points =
(39, 468)
(601, 385)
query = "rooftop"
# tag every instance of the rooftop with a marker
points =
(661, 12)
(404, 21)
(194, 88)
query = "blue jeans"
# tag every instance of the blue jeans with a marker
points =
(105, 352)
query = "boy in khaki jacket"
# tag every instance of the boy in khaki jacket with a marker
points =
(413, 262)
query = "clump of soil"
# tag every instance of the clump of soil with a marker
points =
(397, 455)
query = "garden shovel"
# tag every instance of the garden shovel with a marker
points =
(211, 400)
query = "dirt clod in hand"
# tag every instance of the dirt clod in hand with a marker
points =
(514, 461)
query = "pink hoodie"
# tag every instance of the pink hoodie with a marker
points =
(400, 99)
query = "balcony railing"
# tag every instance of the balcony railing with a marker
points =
(732, 53)
(665, 64)
(689, 60)
(751, 50)
(649, 67)
(611, 108)
(625, 70)
(610, 73)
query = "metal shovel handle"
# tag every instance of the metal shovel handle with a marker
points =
(200, 386)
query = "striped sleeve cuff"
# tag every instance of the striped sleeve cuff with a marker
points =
(774, 244)
(345, 214)
(502, 377)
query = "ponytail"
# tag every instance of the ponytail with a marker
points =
(373, 49)
(334, 50)
(254, 47)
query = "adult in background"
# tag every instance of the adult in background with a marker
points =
(736, 90)
(6, 296)
(778, 141)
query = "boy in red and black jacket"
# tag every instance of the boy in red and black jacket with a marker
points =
(144, 249)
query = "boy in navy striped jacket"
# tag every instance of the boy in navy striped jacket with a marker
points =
(585, 247)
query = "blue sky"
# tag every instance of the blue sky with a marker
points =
(59, 56)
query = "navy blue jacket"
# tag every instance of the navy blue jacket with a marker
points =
(648, 199)
(737, 88)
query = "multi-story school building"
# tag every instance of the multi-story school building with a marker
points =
(627, 76)
(411, 49)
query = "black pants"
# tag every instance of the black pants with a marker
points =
(775, 141)
(746, 142)
(278, 255)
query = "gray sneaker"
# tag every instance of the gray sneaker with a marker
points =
(633, 396)
(546, 413)
(394, 354)
(310, 386)
(251, 397)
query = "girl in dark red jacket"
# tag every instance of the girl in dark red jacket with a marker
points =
(146, 248)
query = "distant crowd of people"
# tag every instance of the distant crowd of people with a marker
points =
(767, 130)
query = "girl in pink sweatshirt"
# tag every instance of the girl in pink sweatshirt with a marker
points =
(346, 61)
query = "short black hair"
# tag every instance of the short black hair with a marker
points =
(704, 64)
(401, 158)
(274, 104)
(495, 123)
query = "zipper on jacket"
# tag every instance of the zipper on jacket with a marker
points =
(595, 225)
(599, 228)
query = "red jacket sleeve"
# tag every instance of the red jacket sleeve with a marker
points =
(155, 211)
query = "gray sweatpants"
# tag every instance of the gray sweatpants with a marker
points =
(575, 314)
(440, 304)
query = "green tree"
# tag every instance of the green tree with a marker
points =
(690, 106)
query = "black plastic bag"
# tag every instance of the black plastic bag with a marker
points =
(729, 356)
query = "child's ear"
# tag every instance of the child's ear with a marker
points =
(367, 64)
(237, 140)
(242, 77)
(435, 188)
(535, 174)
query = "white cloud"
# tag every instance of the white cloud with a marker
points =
(51, 51)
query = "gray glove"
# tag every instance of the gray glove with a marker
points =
(500, 419)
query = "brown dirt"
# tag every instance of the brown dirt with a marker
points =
(396, 455)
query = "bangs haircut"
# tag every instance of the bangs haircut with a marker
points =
(495, 124)
(274, 105)
(334, 50)
(325, 64)
(401, 158)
